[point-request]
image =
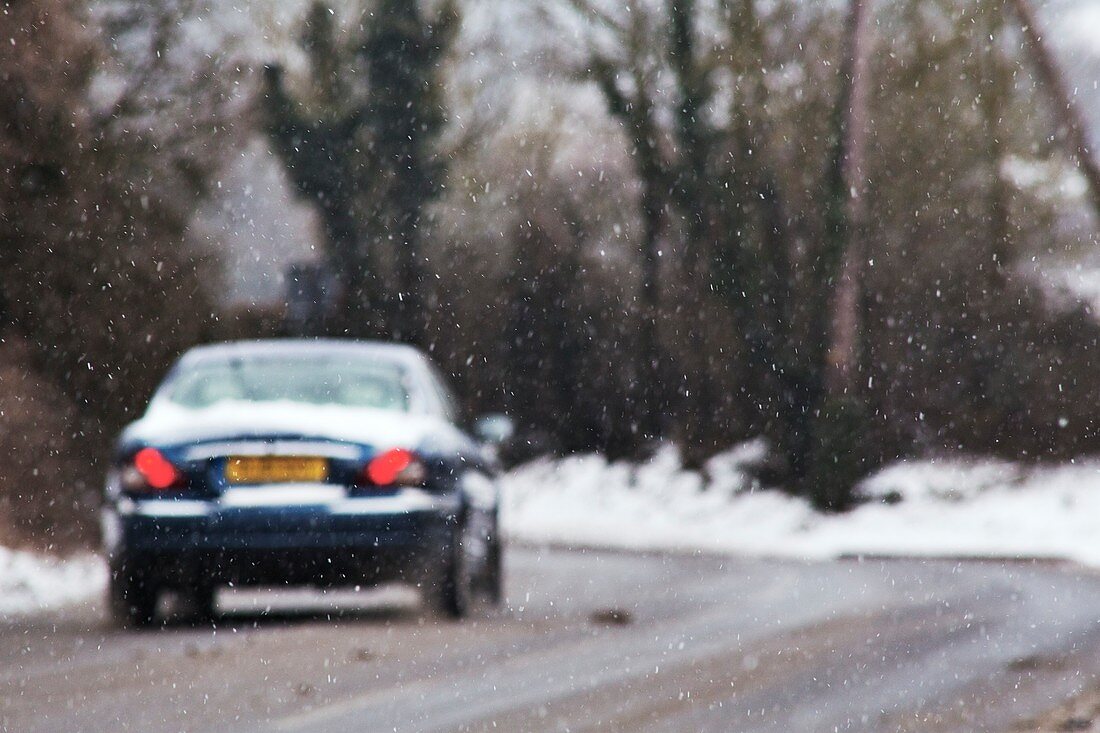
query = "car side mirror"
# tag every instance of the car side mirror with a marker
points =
(494, 428)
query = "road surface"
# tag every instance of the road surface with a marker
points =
(588, 641)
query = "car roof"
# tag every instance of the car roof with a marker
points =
(391, 351)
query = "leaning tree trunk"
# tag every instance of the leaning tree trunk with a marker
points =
(1069, 115)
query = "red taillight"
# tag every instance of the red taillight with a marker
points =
(156, 470)
(396, 467)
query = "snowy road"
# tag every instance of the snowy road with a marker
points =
(592, 641)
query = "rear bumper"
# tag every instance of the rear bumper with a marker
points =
(351, 541)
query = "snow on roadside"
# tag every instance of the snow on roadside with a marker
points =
(957, 508)
(31, 583)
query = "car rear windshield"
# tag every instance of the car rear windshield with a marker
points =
(358, 383)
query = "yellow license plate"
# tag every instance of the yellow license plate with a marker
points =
(274, 469)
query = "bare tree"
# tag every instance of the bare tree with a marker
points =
(693, 102)
(100, 286)
(1069, 115)
(627, 88)
(364, 149)
(402, 51)
(173, 99)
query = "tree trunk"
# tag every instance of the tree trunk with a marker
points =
(842, 358)
(994, 85)
(839, 443)
(1064, 106)
(649, 347)
(636, 115)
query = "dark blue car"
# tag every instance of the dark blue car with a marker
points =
(323, 463)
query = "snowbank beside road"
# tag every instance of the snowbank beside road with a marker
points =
(964, 508)
(31, 583)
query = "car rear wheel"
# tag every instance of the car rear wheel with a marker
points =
(451, 594)
(493, 576)
(200, 604)
(132, 599)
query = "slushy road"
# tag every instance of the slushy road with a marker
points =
(588, 641)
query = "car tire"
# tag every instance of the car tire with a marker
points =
(201, 604)
(451, 594)
(493, 579)
(132, 599)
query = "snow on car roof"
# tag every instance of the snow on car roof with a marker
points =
(397, 352)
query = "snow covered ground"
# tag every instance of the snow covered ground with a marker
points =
(31, 583)
(952, 508)
(939, 508)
